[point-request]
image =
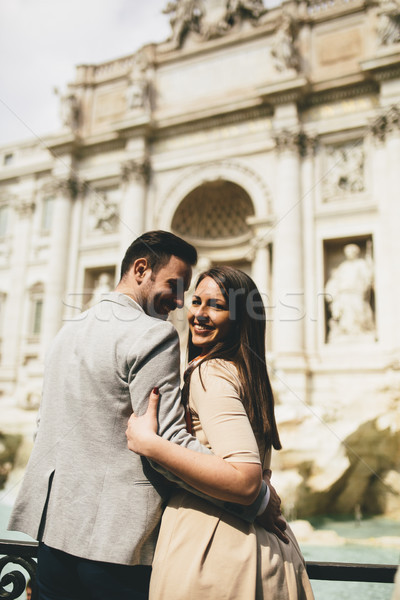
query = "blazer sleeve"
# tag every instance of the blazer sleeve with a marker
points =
(160, 366)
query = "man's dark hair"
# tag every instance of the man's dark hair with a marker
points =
(158, 247)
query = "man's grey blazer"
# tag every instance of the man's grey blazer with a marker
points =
(84, 492)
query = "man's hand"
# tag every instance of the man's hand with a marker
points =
(271, 519)
(142, 431)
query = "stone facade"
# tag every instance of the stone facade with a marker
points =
(271, 140)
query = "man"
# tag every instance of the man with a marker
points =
(95, 506)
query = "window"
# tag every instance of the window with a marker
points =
(8, 159)
(37, 316)
(36, 296)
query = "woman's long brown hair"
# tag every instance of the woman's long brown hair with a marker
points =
(245, 347)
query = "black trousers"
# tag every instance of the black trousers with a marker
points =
(61, 576)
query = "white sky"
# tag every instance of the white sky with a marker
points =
(41, 42)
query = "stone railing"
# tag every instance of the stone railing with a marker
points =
(23, 554)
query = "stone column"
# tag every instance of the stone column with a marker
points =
(288, 251)
(13, 322)
(311, 292)
(65, 191)
(135, 177)
(386, 186)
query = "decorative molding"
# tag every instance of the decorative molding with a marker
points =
(315, 98)
(136, 169)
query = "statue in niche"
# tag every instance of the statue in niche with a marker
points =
(283, 51)
(389, 22)
(103, 285)
(348, 294)
(138, 91)
(185, 16)
(346, 172)
(104, 212)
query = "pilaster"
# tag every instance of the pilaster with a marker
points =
(65, 190)
(288, 248)
(135, 174)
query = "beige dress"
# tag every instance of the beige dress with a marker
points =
(202, 551)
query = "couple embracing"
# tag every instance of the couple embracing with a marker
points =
(197, 462)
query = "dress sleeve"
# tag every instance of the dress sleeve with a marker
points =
(215, 397)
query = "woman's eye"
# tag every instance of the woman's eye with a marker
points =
(217, 305)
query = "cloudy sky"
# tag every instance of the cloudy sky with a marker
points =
(41, 41)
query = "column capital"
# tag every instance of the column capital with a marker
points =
(388, 121)
(136, 169)
(287, 140)
(24, 205)
(68, 186)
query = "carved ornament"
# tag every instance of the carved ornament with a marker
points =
(287, 140)
(24, 206)
(191, 16)
(385, 123)
(344, 170)
(138, 170)
(389, 22)
(103, 212)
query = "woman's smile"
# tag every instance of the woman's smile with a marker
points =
(208, 316)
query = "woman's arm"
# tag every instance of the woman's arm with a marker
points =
(231, 481)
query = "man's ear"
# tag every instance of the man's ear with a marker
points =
(140, 269)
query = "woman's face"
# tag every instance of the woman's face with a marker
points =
(208, 315)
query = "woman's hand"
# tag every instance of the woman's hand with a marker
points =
(142, 431)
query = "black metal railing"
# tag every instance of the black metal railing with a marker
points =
(24, 554)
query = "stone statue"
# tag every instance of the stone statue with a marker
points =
(70, 110)
(389, 22)
(102, 286)
(138, 91)
(250, 8)
(283, 50)
(185, 16)
(104, 212)
(348, 292)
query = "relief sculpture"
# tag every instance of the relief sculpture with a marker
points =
(389, 22)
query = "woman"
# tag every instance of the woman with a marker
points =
(202, 551)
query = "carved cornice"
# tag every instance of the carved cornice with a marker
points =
(136, 169)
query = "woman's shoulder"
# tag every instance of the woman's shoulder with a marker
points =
(217, 367)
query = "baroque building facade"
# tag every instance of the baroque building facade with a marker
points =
(268, 138)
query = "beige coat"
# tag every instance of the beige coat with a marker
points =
(202, 551)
